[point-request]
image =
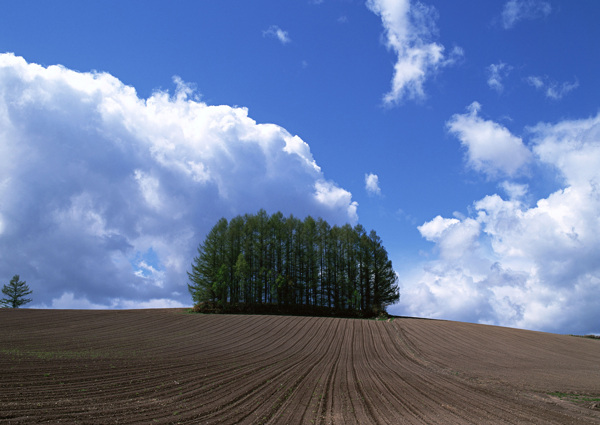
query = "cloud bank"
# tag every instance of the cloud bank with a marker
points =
(512, 263)
(105, 196)
(408, 30)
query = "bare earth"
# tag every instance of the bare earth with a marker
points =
(166, 366)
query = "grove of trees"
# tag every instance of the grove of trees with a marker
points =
(15, 292)
(260, 261)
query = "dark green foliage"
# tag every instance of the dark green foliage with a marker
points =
(15, 292)
(260, 263)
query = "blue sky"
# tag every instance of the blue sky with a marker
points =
(467, 134)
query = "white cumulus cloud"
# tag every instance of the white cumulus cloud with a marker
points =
(454, 237)
(335, 198)
(409, 29)
(533, 266)
(514, 190)
(491, 148)
(434, 229)
(372, 184)
(105, 195)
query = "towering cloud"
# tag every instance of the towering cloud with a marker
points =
(105, 195)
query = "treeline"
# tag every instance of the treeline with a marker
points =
(254, 262)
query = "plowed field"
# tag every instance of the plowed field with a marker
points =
(166, 366)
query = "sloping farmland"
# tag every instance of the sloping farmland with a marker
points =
(167, 366)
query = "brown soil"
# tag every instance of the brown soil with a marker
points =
(166, 366)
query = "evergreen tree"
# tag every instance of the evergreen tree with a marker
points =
(294, 264)
(235, 236)
(15, 292)
(323, 233)
(276, 228)
(209, 267)
(385, 289)
(242, 275)
(310, 262)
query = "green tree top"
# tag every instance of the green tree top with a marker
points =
(15, 292)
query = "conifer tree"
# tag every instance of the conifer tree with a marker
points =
(207, 270)
(15, 292)
(294, 265)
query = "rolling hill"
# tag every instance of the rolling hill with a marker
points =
(168, 366)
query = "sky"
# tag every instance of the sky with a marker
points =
(466, 134)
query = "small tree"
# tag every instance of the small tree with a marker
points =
(16, 291)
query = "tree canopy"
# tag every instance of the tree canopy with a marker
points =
(258, 260)
(15, 292)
